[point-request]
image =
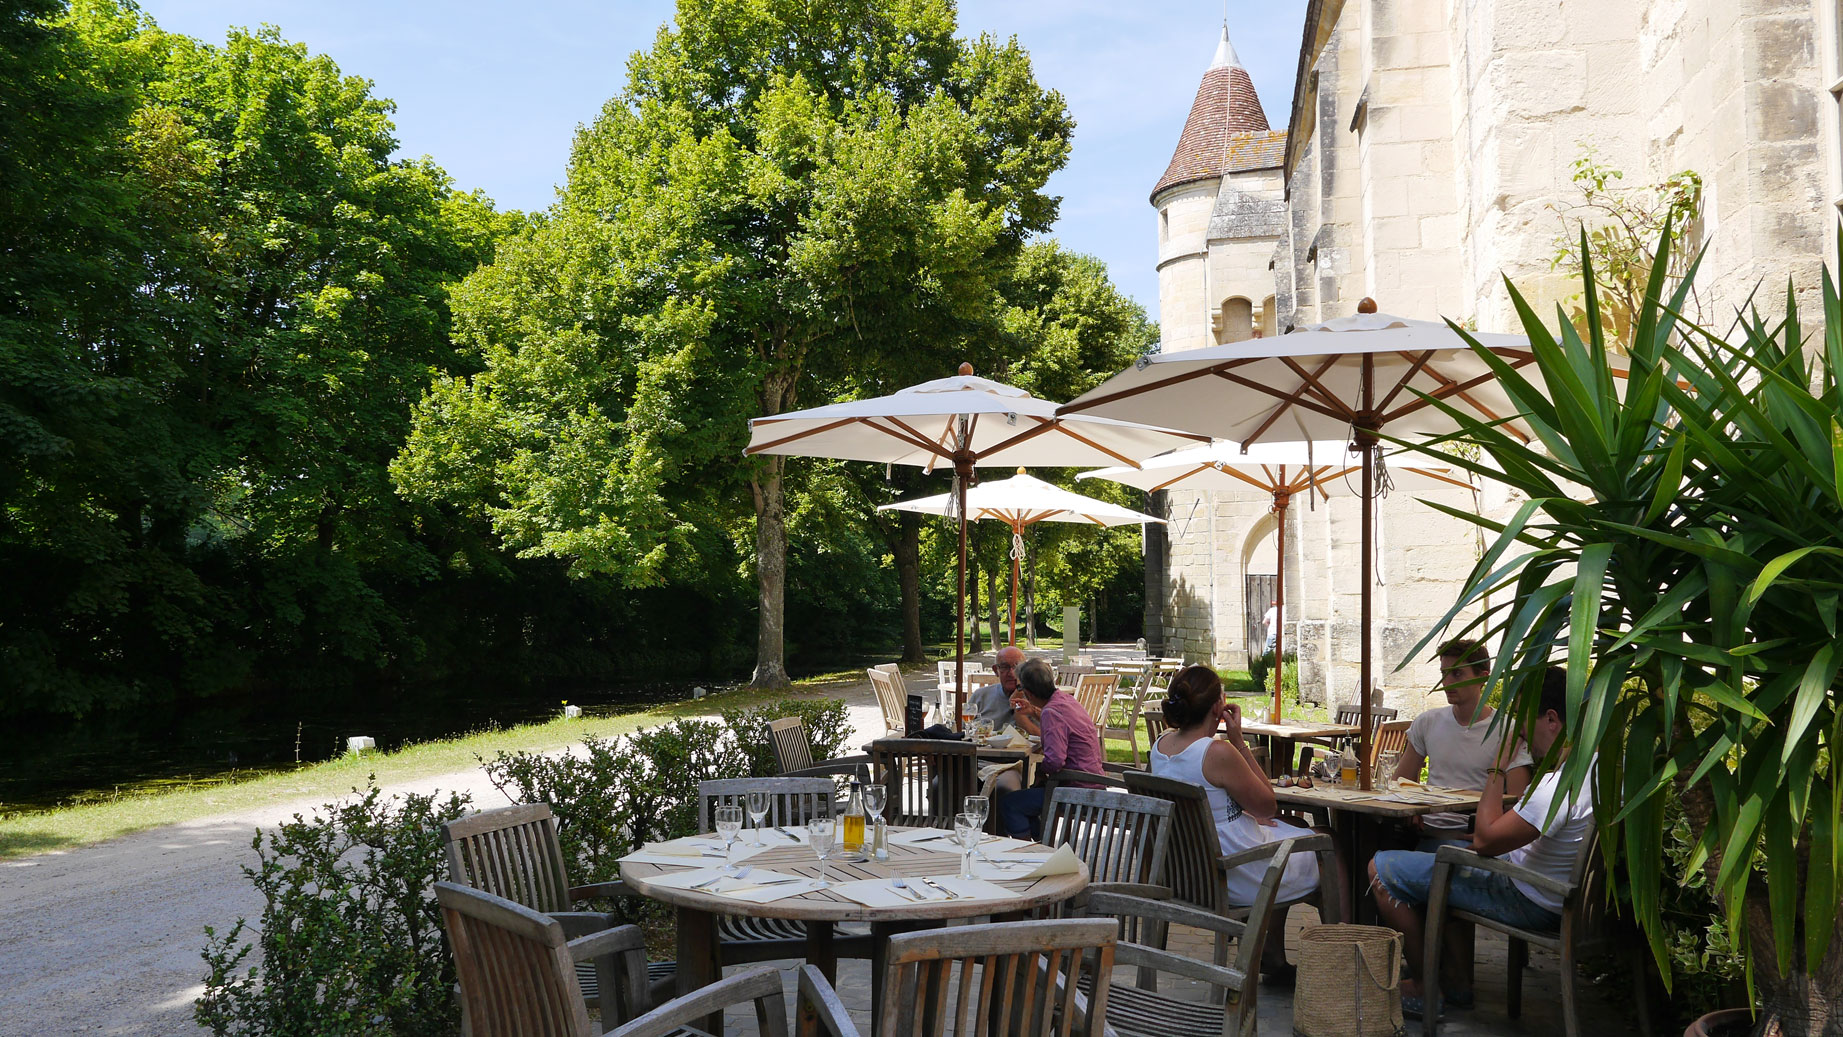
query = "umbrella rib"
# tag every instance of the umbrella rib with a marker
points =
(798, 435)
(1325, 396)
(1295, 398)
(1448, 387)
(1428, 473)
(908, 435)
(1413, 369)
(1201, 372)
(1043, 425)
(1198, 470)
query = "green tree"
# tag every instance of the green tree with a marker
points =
(786, 198)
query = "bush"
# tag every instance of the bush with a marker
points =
(350, 939)
(618, 794)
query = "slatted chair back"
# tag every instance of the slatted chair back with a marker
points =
(894, 704)
(516, 972)
(1353, 715)
(793, 748)
(791, 801)
(1095, 691)
(511, 852)
(1155, 726)
(1004, 978)
(927, 779)
(1120, 718)
(1120, 837)
(1391, 737)
(1190, 862)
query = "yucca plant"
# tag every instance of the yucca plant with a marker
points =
(1693, 600)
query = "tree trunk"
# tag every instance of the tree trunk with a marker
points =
(770, 575)
(972, 612)
(999, 630)
(908, 576)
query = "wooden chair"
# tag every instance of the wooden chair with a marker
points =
(1013, 978)
(927, 779)
(1196, 869)
(517, 970)
(793, 753)
(1125, 704)
(1155, 726)
(892, 699)
(1119, 836)
(1585, 928)
(1380, 717)
(513, 853)
(1228, 1009)
(1095, 693)
(791, 801)
(1391, 737)
(760, 988)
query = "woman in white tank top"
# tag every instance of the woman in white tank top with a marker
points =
(1240, 798)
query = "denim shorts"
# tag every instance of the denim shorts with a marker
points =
(1407, 876)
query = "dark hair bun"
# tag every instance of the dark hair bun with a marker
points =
(1192, 695)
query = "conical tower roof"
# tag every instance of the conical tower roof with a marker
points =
(1226, 105)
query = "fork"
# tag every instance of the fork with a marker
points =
(711, 882)
(901, 885)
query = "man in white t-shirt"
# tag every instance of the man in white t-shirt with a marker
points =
(1458, 743)
(1526, 835)
(1271, 621)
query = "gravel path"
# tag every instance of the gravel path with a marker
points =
(106, 939)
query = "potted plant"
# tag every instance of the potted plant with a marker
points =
(1693, 598)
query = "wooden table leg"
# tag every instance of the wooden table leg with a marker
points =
(700, 961)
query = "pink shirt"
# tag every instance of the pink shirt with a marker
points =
(1069, 738)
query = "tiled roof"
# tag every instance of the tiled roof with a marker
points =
(1227, 131)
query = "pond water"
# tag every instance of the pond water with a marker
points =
(137, 752)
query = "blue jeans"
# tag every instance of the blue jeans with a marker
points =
(1407, 876)
(1021, 813)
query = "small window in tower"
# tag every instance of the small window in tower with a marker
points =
(1164, 226)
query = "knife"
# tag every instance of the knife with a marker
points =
(787, 833)
(950, 894)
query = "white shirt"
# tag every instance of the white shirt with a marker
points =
(1458, 756)
(1268, 619)
(1553, 853)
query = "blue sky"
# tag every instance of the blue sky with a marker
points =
(493, 91)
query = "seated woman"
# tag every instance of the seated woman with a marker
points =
(1240, 798)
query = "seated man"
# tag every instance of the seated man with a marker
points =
(1069, 742)
(1525, 835)
(992, 702)
(1458, 743)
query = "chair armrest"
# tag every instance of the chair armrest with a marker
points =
(843, 765)
(1142, 890)
(818, 998)
(713, 998)
(1065, 776)
(620, 939)
(1139, 954)
(1108, 903)
(582, 923)
(602, 890)
(1301, 844)
(1460, 856)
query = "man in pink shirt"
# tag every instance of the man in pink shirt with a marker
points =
(1070, 742)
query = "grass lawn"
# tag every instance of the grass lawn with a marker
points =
(83, 825)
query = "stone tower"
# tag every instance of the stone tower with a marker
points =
(1221, 212)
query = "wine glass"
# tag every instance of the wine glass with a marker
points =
(966, 830)
(874, 800)
(729, 822)
(979, 807)
(820, 832)
(758, 809)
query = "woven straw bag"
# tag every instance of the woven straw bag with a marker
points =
(1349, 982)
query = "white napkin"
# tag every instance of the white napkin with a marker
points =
(692, 851)
(757, 887)
(1006, 867)
(929, 838)
(879, 892)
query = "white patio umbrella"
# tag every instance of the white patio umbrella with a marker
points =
(1021, 501)
(1324, 469)
(963, 421)
(1355, 376)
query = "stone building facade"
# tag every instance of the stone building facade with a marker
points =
(1428, 154)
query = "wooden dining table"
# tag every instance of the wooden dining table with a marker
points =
(700, 950)
(1281, 739)
(1357, 819)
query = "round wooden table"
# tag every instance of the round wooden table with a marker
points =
(700, 960)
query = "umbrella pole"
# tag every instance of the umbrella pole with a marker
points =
(1280, 501)
(1017, 538)
(1366, 442)
(963, 471)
